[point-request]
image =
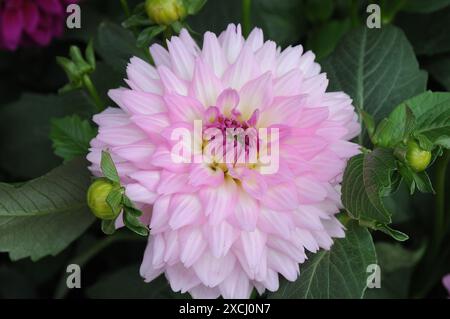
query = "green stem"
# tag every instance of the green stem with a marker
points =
(84, 258)
(125, 7)
(246, 16)
(440, 225)
(100, 106)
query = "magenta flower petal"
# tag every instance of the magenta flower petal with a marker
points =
(12, 27)
(31, 16)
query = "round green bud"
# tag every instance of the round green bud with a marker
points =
(96, 198)
(417, 158)
(165, 12)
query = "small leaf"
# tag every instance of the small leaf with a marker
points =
(396, 128)
(148, 34)
(108, 226)
(133, 223)
(114, 199)
(396, 234)
(136, 20)
(423, 182)
(71, 136)
(90, 54)
(193, 6)
(108, 167)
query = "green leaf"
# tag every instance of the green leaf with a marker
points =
(136, 20)
(114, 199)
(396, 234)
(90, 54)
(71, 136)
(108, 168)
(319, 10)
(367, 179)
(397, 264)
(148, 34)
(432, 113)
(396, 128)
(324, 39)
(43, 216)
(116, 46)
(126, 283)
(193, 6)
(340, 272)
(25, 129)
(133, 223)
(108, 226)
(427, 6)
(377, 68)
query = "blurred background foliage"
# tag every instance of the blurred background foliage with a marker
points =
(30, 79)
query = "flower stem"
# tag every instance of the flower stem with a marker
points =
(83, 259)
(125, 7)
(93, 93)
(440, 225)
(246, 16)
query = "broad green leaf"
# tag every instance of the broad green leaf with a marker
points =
(340, 272)
(414, 180)
(116, 46)
(324, 39)
(432, 113)
(367, 179)
(318, 11)
(396, 264)
(194, 6)
(43, 216)
(26, 150)
(126, 283)
(377, 68)
(428, 6)
(71, 136)
(108, 167)
(428, 33)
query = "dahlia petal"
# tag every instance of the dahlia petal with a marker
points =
(172, 84)
(117, 136)
(213, 54)
(218, 202)
(287, 248)
(181, 279)
(181, 58)
(184, 108)
(153, 124)
(138, 153)
(288, 60)
(288, 84)
(281, 197)
(255, 94)
(205, 85)
(227, 101)
(162, 158)
(147, 270)
(203, 175)
(141, 103)
(160, 215)
(11, 28)
(193, 245)
(274, 222)
(158, 250)
(241, 71)
(220, 238)
(30, 16)
(246, 212)
(202, 292)
(255, 39)
(309, 191)
(111, 117)
(266, 57)
(286, 110)
(211, 270)
(172, 250)
(138, 193)
(143, 77)
(271, 282)
(185, 208)
(160, 55)
(283, 264)
(236, 286)
(312, 116)
(232, 42)
(149, 179)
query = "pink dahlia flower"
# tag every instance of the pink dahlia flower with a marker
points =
(223, 228)
(31, 22)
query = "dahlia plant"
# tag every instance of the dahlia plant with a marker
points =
(235, 162)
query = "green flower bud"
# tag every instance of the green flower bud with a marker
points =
(417, 158)
(165, 12)
(96, 199)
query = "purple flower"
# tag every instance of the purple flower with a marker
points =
(31, 22)
(446, 283)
